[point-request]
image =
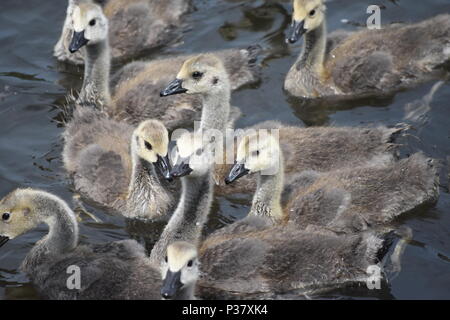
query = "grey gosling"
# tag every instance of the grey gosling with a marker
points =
(118, 166)
(315, 148)
(115, 270)
(349, 200)
(366, 62)
(136, 26)
(133, 93)
(184, 230)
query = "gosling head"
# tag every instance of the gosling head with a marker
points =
(203, 74)
(256, 153)
(308, 15)
(180, 270)
(22, 210)
(90, 25)
(151, 142)
(191, 156)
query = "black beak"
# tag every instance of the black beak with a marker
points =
(3, 240)
(181, 169)
(298, 29)
(236, 172)
(171, 284)
(78, 41)
(163, 164)
(175, 87)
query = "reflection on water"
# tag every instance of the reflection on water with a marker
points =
(32, 84)
(317, 112)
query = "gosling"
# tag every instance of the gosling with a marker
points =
(116, 270)
(194, 206)
(136, 26)
(120, 167)
(367, 62)
(345, 200)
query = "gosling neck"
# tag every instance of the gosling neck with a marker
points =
(216, 109)
(314, 49)
(186, 293)
(186, 224)
(63, 229)
(95, 87)
(267, 199)
(148, 195)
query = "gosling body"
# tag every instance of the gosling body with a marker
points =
(364, 197)
(281, 259)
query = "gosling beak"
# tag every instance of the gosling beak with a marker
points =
(3, 240)
(236, 172)
(175, 87)
(298, 30)
(163, 164)
(78, 41)
(171, 284)
(181, 169)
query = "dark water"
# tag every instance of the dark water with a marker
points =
(32, 84)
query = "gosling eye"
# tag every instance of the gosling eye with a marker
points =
(190, 263)
(166, 259)
(6, 216)
(92, 22)
(198, 152)
(197, 75)
(148, 145)
(255, 153)
(312, 13)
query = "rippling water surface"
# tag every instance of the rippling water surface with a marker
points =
(33, 84)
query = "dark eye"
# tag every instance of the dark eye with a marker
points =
(6, 216)
(92, 22)
(197, 75)
(166, 259)
(148, 145)
(190, 263)
(312, 13)
(255, 153)
(198, 152)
